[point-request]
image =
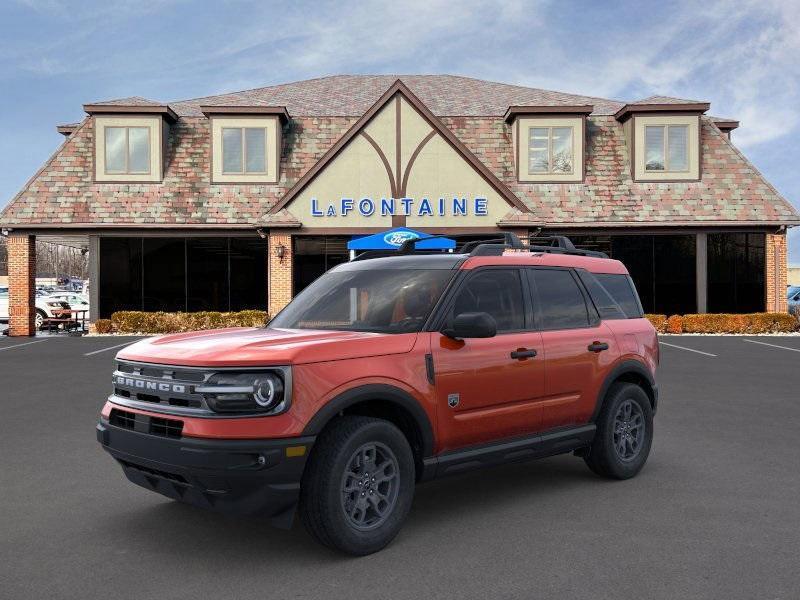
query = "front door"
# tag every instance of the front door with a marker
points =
(490, 387)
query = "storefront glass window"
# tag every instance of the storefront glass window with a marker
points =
(736, 272)
(313, 255)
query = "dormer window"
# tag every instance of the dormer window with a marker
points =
(548, 142)
(245, 143)
(127, 150)
(550, 150)
(666, 148)
(244, 150)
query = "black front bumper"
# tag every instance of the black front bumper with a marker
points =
(250, 477)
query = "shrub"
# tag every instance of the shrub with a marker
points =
(746, 323)
(103, 326)
(659, 322)
(675, 324)
(131, 321)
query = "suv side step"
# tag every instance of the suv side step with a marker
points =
(540, 445)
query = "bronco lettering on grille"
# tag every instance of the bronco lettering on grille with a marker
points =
(144, 384)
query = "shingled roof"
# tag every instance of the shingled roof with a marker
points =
(731, 191)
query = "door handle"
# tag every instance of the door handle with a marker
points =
(523, 353)
(597, 347)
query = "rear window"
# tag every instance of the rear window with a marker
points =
(622, 290)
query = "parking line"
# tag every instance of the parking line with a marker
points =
(771, 345)
(19, 345)
(110, 348)
(687, 349)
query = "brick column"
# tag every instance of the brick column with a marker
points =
(21, 284)
(280, 271)
(775, 273)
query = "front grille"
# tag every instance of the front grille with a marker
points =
(122, 418)
(161, 385)
(166, 427)
(171, 428)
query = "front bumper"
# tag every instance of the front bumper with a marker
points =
(250, 477)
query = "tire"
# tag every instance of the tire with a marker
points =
(39, 318)
(622, 444)
(334, 498)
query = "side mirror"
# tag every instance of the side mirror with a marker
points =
(472, 325)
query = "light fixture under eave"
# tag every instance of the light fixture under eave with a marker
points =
(280, 252)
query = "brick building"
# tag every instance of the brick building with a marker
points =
(239, 200)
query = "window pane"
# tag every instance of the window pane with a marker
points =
(496, 292)
(674, 274)
(736, 272)
(115, 149)
(560, 299)
(620, 287)
(249, 273)
(138, 149)
(207, 273)
(562, 149)
(538, 150)
(164, 276)
(678, 140)
(120, 266)
(607, 307)
(654, 148)
(256, 151)
(231, 150)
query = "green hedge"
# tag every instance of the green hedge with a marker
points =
(133, 321)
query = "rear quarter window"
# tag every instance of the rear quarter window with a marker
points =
(623, 292)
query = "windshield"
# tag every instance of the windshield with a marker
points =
(381, 301)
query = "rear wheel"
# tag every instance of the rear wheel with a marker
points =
(358, 486)
(39, 318)
(624, 433)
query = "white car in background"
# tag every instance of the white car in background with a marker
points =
(47, 307)
(76, 301)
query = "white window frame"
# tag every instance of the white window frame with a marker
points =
(127, 129)
(243, 129)
(665, 148)
(550, 170)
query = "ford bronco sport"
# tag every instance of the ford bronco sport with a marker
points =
(388, 371)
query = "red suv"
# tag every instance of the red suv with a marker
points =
(387, 371)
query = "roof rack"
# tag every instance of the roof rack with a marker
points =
(554, 244)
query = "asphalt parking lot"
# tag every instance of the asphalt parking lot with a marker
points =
(715, 513)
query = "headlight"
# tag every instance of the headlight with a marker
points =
(244, 392)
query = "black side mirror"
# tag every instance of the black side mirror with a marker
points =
(472, 325)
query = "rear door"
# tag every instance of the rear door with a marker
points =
(578, 346)
(491, 387)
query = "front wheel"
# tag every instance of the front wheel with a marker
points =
(39, 318)
(358, 486)
(624, 433)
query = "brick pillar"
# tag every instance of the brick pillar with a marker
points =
(280, 271)
(21, 284)
(775, 273)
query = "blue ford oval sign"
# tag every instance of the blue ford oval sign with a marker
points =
(396, 238)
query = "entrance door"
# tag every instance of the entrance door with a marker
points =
(483, 392)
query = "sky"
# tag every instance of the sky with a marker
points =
(742, 56)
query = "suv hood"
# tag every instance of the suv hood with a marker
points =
(239, 347)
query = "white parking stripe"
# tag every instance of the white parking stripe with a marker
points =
(771, 345)
(19, 345)
(110, 348)
(687, 349)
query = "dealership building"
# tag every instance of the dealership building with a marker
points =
(240, 200)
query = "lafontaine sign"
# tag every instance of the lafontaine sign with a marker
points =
(422, 207)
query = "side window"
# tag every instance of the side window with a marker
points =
(561, 302)
(607, 307)
(621, 289)
(497, 292)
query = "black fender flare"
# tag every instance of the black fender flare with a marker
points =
(623, 368)
(375, 391)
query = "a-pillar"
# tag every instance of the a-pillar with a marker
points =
(21, 284)
(280, 270)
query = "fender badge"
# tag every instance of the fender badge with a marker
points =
(453, 400)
